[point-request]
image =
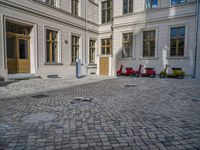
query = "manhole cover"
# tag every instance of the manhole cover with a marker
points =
(39, 117)
(40, 96)
(81, 99)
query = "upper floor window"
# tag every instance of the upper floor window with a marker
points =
(175, 2)
(127, 6)
(106, 46)
(50, 2)
(177, 43)
(127, 45)
(151, 4)
(106, 11)
(75, 7)
(149, 42)
(51, 46)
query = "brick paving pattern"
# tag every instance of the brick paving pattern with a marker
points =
(123, 113)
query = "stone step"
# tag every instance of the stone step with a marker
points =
(22, 76)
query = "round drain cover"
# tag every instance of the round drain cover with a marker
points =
(39, 117)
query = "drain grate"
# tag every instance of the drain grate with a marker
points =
(81, 99)
(40, 96)
(130, 85)
(195, 100)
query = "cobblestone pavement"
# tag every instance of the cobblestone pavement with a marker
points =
(122, 113)
(25, 87)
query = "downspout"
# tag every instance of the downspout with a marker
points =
(86, 37)
(112, 58)
(196, 44)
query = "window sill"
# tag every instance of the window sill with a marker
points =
(74, 64)
(149, 58)
(129, 58)
(177, 57)
(53, 64)
(105, 55)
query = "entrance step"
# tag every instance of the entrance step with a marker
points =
(22, 76)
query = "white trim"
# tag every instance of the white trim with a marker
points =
(186, 41)
(156, 43)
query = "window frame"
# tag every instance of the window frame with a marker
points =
(125, 42)
(94, 49)
(73, 55)
(48, 3)
(128, 11)
(107, 9)
(75, 10)
(156, 44)
(58, 52)
(106, 46)
(177, 42)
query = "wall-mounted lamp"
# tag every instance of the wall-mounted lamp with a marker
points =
(66, 42)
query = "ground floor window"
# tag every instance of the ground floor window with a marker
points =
(92, 52)
(149, 41)
(177, 43)
(106, 46)
(51, 46)
(75, 48)
(127, 42)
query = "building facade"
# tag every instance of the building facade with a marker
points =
(45, 37)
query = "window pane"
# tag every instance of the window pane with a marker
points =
(149, 43)
(173, 51)
(181, 32)
(130, 6)
(103, 52)
(11, 52)
(54, 50)
(48, 51)
(173, 32)
(154, 4)
(177, 41)
(54, 36)
(108, 42)
(125, 6)
(23, 49)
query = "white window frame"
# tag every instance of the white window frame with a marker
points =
(90, 38)
(59, 57)
(133, 46)
(70, 47)
(186, 41)
(156, 43)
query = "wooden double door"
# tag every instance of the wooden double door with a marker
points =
(18, 53)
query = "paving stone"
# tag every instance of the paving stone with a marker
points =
(156, 114)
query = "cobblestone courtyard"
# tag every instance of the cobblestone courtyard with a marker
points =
(122, 113)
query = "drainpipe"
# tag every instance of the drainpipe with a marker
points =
(196, 44)
(86, 37)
